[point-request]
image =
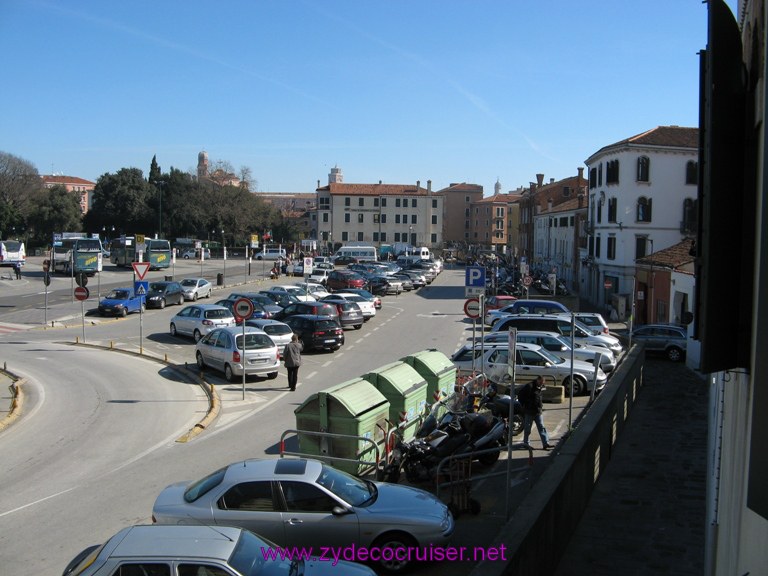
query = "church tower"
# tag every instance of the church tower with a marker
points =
(202, 165)
(497, 187)
(335, 177)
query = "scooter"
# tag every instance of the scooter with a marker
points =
(498, 404)
(445, 432)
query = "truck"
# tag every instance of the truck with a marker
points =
(12, 253)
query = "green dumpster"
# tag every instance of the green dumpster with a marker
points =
(406, 391)
(437, 369)
(354, 409)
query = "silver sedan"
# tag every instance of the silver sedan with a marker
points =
(302, 502)
(195, 288)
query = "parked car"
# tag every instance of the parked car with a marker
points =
(280, 332)
(316, 308)
(531, 361)
(367, 307)
(326, 265)
(343, 279)
(157, 549)
(317, 332)
(561, 346)
(327, 507)
(195, 254)
(199, 319)
(315, 289)
(257, 298)
(367, 295)
(282, 299)
(594, 321)
(344, 260)
(259, 311)
(195, 288)
(500, 301)
(292, 290)
(524, 307)
(350, 314)
(417, 278)
(668, 339)
(121, 302)
(234, 350)
(320, 275)
(405, 281)
(384, 285)
(162, 294)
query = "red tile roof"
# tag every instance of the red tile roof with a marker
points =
(47, 179)
(342, 189)
(673, 257)
(665, 136)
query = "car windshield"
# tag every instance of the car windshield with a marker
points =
(326, 325)
(352, 490)
(277, 329)
(118, 295)
(203, 485)
(189, 282)
(550, 357)
(157, 287)
(247, 557)
(254, 341)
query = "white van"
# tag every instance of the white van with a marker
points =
(271, 254)
(367, 253)
(423, 253)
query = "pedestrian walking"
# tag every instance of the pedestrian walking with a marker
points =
(292, 358)
(17, 270)
(530, 398)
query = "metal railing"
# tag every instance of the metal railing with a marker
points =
(360, 461)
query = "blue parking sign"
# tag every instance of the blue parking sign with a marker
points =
(475, 277)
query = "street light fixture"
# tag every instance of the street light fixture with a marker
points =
(224, 255)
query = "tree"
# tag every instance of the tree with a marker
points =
(122, 200)
(154, 171)
(247, 181)
(56, 210)
(19, 182)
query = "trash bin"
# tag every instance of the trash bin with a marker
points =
(406, 391)
(219, 279)
(437, 369)
(169, 278)
(354, 408)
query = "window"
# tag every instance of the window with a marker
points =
(563, 221)
(433, 238)
(347, 201)
(434, 218)
(690, 216)
(201, 570)
(302, 497)
(600, 174)
(611, 248)
(376, 218)
(592, 178)
(384, 202)
(397, 202)
(612, 172)
(361, 201)
(612, 209)
(383, 236)
(383, 218)
(248, 496)
(345, 236)
(414, 218)
(413, 202)
(347, 217)
(466, 212)
(643, 169)
(644, 209)
(397, 236)
(360, 218)
(434, 202)
(143, 569)
(325, 216)
(376, 202)
(397, 218)
(640, 244)
(597, 247)
(359, 236)
(692, 172)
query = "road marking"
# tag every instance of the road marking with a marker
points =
(311, 375)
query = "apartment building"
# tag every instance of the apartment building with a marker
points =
(83, 188)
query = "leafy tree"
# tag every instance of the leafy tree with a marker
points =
(56, 210)
(154, 171)
(122, 200)
(19, 181)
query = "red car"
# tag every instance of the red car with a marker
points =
(344, 279)
(496, 302)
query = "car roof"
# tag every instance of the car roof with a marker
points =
(518, 345)
(183, 541)
(277, 468)
(235, 330)
(207, 307)
(314, 317)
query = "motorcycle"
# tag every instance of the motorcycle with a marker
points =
(450, 429)
(498, 404)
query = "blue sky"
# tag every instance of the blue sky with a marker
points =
(397, 91)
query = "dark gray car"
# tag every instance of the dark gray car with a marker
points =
(668, 339)
(162, 294)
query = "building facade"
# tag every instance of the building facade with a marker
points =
(626, 179)
(83, 188)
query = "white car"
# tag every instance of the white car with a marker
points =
(531, 361)
(199, 319)
(561, 346)
(294, 291)
(366, 306)
(234, 350)
(315, 289)
(320, 275)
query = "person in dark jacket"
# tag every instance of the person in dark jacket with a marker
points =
(530, 398)
(292, 358)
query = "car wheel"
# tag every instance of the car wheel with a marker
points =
(186, 257)
(124, 312)
(162, 304)
(674, 354)
(200, 361)
(272, 375)
(196, 335)
(228, 374)
(194, 297)
(358, 326)
(394, 540)
(579, 386)
(516, 424)
(173, 329)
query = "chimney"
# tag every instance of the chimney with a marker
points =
(429, 187)
(418, 185)
(549, 205)
(533, 187)
(540, 179)
(379, 181)
(318, 182)
(551, 180)
(581, 173)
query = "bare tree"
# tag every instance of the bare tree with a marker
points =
(247, 181)
(19, 185)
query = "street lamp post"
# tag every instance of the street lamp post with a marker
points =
(224, 255)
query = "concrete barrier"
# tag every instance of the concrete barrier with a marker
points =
(553, 394)
(538, 534)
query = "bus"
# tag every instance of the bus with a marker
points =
(73, 255)
(367, 253)
(158, 252)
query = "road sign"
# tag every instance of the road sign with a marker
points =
(243, 308)
(474, 281)
(608, 284)
(47, 278)
(82, 293)
(527, 281)
(472, 308)
(140, 288)
(308, 265)
(141, 269)
(81, 278)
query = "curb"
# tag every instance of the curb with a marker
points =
(17, 399)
